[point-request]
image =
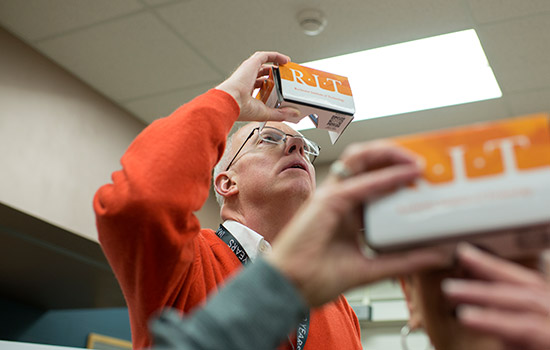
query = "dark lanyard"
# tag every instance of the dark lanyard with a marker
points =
(226, 236)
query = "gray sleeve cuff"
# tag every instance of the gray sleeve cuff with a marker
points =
(257, 309)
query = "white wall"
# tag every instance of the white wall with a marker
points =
(59, 139)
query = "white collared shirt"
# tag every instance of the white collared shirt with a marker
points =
(252, 242)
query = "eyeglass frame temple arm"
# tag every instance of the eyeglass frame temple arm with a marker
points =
(240, 148)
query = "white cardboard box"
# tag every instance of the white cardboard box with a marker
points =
(480, 181)
(324, 97)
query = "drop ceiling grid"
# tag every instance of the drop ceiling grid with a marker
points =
(133, 57)
(228, 31)
(486, 11)
(357, 26)
(519, 52)
(150, 108)
(36, 19)
(150, 56)
(526, 102)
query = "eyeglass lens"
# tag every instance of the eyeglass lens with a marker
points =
(274, 135)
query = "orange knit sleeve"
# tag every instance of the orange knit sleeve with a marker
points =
(145, 216)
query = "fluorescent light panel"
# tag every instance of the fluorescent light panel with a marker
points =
(434, 72)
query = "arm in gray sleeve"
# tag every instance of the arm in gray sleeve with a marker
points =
(256, 310)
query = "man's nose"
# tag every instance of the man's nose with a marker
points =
(294, 144)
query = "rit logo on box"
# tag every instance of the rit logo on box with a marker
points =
(314, 78)
(461, 163)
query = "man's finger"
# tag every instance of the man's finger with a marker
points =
(374, 155)
(264, 71)
(376, 183)
(271, 56)
(525, 329)
(545, 265)
(259, 82)
(497, 295)
(486, 266)
(393, 265)
(257, 60)
(283, 114)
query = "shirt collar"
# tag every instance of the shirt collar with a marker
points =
(252, 242)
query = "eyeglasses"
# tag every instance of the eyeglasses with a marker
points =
(275, 136)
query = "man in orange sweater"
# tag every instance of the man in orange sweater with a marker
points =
(145, 218)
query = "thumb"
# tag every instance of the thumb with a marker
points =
(399, 264)
(288, 114)
(291, 114)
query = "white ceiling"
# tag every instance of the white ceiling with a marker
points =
(150, 56)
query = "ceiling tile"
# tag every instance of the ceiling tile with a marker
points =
(161, 2)
(151, 108)
(529, 102)
(519, 52)
(35, 19)
(497, 10)
(128, 58)
(268, 25)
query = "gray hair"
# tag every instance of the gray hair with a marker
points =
(224, 161)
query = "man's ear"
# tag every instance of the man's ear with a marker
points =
(225, 186)
(415, 314)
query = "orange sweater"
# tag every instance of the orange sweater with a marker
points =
(153, 241)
